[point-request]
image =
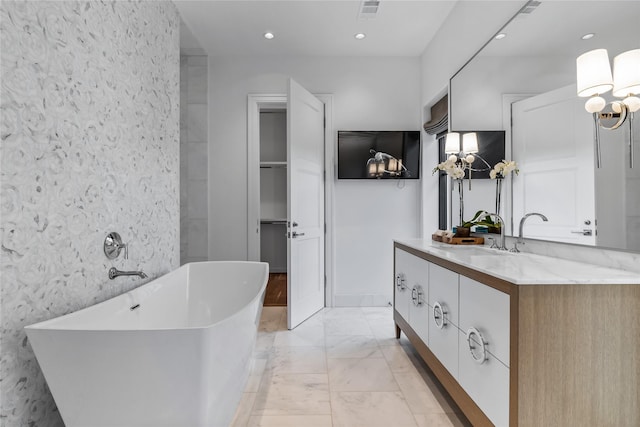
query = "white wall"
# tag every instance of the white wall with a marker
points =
(369, 94)
(90, 145)
(469, 25)
(476, 92)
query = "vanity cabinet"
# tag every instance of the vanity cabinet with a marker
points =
(443, 322)
(411, 290)
(401, 295)
(483, 359)
(525, 351)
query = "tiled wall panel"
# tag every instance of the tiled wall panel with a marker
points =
(193, 168)
(90, 144)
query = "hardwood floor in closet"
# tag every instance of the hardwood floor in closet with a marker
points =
(276, 293)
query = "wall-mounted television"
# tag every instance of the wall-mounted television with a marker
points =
(358, 150)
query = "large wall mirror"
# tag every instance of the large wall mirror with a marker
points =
(525, 83)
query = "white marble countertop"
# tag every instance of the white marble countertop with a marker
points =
(523, 268)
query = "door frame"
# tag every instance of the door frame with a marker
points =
(256, 102)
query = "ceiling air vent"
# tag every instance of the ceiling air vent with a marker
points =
(530, 7)
(369, 8)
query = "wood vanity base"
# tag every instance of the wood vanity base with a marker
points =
(574, 352)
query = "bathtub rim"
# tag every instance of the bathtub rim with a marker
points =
(44, 324)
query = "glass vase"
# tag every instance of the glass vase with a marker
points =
(498, 194)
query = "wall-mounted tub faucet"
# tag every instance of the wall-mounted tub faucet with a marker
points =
(114, 272)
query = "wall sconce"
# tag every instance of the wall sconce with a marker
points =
(382, 163)
(594, 78)
(466, 153)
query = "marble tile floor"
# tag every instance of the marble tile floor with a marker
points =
(341, 367)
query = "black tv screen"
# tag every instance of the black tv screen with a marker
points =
(356, 148)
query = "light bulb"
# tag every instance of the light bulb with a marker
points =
(616, 107)
(632, 103)
(595, 104)
(469, 159)
(453, 158)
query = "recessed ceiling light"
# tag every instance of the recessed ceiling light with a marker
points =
(588, 36)
(360, 36)
(268, 36)
(500, 36)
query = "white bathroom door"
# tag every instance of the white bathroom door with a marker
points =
(305, 204)
(552, 141)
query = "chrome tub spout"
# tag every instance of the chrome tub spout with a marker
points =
(114, 272)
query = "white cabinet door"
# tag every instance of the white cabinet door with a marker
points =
(487, 383)
(401, 291)
(443, 289)
(443, 317)
(486, 309)
(418, 286)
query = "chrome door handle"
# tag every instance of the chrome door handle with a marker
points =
(416, 295)
(439, 313)
(400, 282)
(296, 234)
(477, 346)
(585, 232)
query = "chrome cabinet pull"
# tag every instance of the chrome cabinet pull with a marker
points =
(417, 295)
(477, 345)
(296, 234)
(400, 282)
(585, 232)
(439, 315)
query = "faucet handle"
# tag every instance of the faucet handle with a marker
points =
(494, 245)
(113, 245)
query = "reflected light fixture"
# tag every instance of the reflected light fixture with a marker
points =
(464, 154)
(594, 78)
(588, 36)
(269, 35)
(382, 163)
(360, 36)
(500, 36)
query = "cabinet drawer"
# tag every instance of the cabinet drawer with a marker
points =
(401, 291)
(487, 383)
(443, 342)
(418, 286)
(443, 289)
(486, 309)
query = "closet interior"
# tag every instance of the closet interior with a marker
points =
(273, 202)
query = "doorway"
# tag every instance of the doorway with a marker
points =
(271, 175)
(273, 201)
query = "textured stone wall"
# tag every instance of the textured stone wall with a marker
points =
(90, 144)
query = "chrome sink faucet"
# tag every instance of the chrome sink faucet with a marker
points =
(114, 272)
(502, 246)
(520, 240)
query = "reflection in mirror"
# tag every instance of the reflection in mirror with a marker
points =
(525, 83)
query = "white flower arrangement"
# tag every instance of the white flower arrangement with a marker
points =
(504, 168)
(451, 167)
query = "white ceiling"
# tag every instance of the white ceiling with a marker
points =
(312, 27)
(555, 28)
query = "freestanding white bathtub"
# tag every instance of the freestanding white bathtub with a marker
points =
(174, 352)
